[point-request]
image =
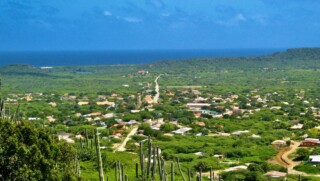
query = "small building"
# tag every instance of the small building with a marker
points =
(310, 142)
(197, 105)
(83, 103)
(297, 126)
(65, 136)
(279, 144)
(238, 133)
(200, 123)
(315, 159)
(103, 103)
(181, 131)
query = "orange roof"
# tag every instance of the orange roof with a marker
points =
(199, 123)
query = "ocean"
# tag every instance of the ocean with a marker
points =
(72, 58)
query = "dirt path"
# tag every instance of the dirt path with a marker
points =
(122, 146)
(157, 89)
(282, 158)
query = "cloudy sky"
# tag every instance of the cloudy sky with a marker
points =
(158, 24)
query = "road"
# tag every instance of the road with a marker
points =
(122, 147)
(282, 158)
(157, 89)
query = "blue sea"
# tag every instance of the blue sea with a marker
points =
(71, 58)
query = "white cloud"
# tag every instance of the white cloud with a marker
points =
(236, 20)
(107, 13)
(132, 19)
(260, 19)
(239, 17)
(165, 14)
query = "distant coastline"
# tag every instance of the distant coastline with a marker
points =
(74, 58)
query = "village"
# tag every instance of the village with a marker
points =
(161, 111)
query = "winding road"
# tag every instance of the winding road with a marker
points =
(282, 158)
(122, 147)
(157, 89)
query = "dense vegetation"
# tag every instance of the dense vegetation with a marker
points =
(27, 153)
(264, 96)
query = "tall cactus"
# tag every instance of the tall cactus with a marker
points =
(80, 144)
(101, 176)
(172, 171)
(86, 137)
(149, 156)
(178, 163)
(189, 175)
(137, 170)
(116, 171)
(159, 163)
(141, 161)
(122, 172)
(154, 163)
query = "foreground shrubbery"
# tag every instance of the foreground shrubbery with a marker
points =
(27, 153)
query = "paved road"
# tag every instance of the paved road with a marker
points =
(157, 89)
(122, 147)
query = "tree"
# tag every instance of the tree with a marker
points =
(27, 153)
(302, 154)
(168, 127)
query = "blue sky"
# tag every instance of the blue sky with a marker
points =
(158, 24)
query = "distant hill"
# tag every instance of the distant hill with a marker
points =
(306, 58)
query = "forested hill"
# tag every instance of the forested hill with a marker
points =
(302, 58)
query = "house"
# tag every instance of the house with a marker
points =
(83, 103)
(51, 119)
(102, 97)
(275, 174)
(105, 103)
(109, 115)
(275, 107)
(53, 104)
(223, 134)
(114, 95)
(199, 153)
(238, 133)
(200, 99)
(315, 159)
(143, 72)
(297, 126)
(255, 136)
(196, 92)
(197, 105)
(209, 112)
(279, 144)
(134, 111)
(148, 99)
(65, 136)
(218, 156)
(181, 131)
(197, 115)
(310, 142)
(33, 118)
(72, 98)
(132, 122)
(200, 123)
